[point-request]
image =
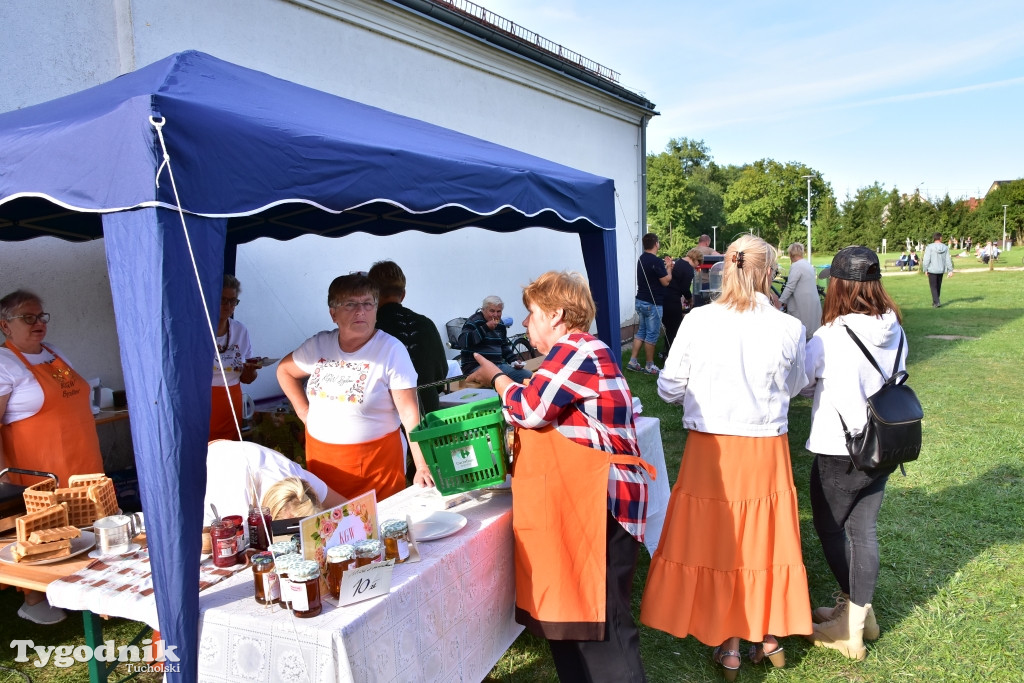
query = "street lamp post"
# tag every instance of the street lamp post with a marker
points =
(808, 218)
(714, 232)
(1004, 226)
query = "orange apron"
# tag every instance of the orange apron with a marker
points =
(352, 469)
(60, 438)
(559, 518)
(222, 423)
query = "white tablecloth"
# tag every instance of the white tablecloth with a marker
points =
(648, 435)
(447, 618)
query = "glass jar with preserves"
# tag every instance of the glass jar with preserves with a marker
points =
(368, 552)
(395, 533)
(339, 559)
(225, 545)
(240, 546)
(259, 525)
(284, 564)
(283, 548)
(304, 588)
(264, 575)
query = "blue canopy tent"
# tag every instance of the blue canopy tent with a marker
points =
(252, 156)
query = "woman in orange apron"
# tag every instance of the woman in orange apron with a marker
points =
(360, 389)
(579, 500)
(47, 415)
(235, 351)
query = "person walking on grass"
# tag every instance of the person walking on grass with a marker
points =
(937, 263)
(845, 501)
(652, 275)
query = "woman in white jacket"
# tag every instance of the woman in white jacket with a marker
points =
(845, 501)
(729, 565)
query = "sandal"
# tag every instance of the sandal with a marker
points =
(728, 672)
(759, 652)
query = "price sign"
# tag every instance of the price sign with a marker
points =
(366, 582)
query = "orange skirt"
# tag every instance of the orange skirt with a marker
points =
(729, 562)
(354, 469)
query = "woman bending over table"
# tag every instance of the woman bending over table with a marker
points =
(729, 565)
(361, 390)
(46, 412)
(579, 500)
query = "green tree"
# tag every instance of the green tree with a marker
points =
(864, 216)
(770, 199)
(990, 214)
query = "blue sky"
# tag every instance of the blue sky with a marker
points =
(925, 95)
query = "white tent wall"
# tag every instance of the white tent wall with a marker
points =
(369, 51)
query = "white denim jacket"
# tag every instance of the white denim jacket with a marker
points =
(734, 373)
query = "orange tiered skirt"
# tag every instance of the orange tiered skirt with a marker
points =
(729, 562)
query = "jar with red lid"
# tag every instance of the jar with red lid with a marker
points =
(225, 545)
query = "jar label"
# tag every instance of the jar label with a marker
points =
(297, 597)
(225, 547)
(271, 586)
(464, 459)
(403, 549)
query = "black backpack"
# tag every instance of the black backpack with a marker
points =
(892, 435)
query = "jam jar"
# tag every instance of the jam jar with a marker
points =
(259, 524)
(239, 524)
(368, 552)
(283, 548)
(304, 588)
(264, 575)
(395, 533)
(339, 559)
(225, 545)
(284, 564)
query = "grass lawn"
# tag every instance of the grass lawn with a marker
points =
(951, 532)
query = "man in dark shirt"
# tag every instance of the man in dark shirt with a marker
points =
(485, 333)
(652, 274)
(417, 332)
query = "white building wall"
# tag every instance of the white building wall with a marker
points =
(368, 51)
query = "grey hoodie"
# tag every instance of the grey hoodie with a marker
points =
(936, 259)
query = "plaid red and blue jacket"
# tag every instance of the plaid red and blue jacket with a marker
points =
(579, 390)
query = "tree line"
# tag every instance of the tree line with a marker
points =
(688, 193)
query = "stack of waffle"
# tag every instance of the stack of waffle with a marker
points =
(44, 535)
(88, 498)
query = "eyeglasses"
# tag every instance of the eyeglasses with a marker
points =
(31, 319)
(229, 302)
(353, 306)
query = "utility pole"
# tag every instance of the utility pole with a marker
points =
(808, 218)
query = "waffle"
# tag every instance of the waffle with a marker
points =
(86, 479)
(89, 497)
(49, 554)
(55, 515)
(59, 533)
(40, 496)
(33, 548)
(103, 495)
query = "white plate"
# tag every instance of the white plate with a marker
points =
(78, 546)
(98, 554)
(437, 524)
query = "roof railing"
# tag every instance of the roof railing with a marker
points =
(513, 30)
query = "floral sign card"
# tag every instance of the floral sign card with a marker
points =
(355, 520)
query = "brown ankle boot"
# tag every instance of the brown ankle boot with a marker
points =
(845, 634)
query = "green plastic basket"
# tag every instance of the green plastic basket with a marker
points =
(464, 446)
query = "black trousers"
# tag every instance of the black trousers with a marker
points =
(845, 504)
(935, 282)
(616, 659)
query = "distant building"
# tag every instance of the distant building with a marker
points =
(996, 184)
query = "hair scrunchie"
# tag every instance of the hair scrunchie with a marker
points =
(737, 258)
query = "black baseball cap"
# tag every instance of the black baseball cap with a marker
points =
(858, 264)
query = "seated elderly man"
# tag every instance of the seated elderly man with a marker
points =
(486, 334)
